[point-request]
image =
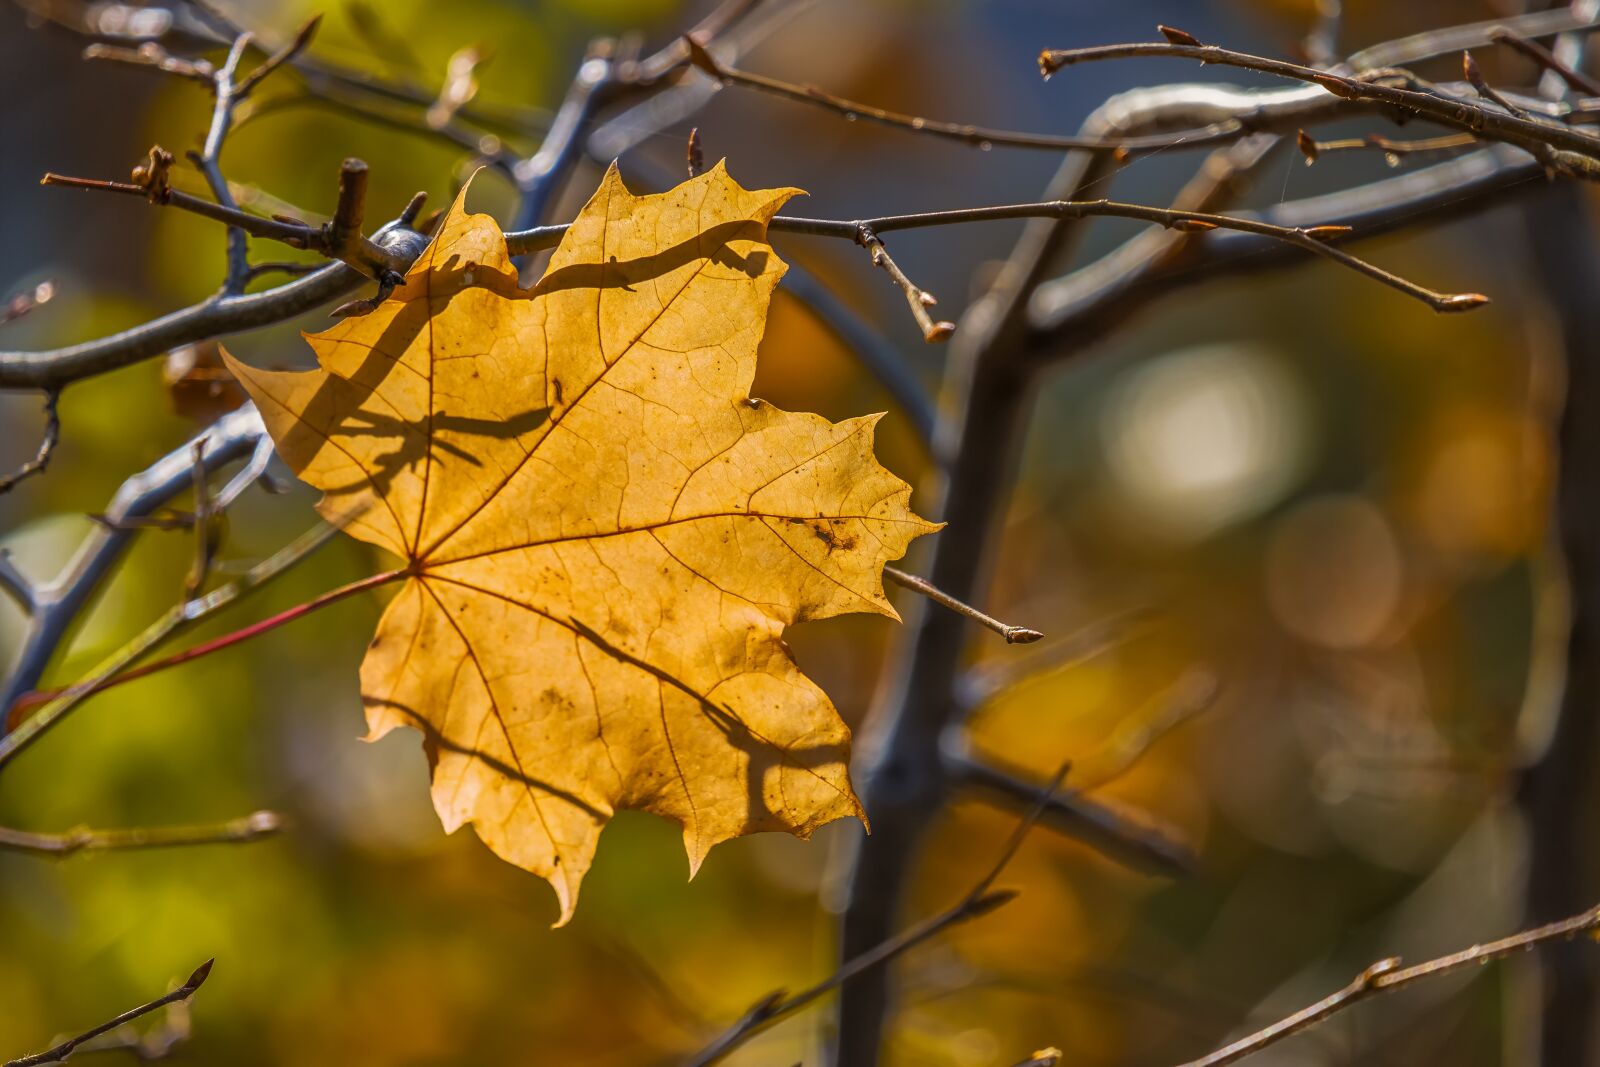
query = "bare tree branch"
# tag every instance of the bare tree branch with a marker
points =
(47, 446)
(60, 1052)
(1388, 974)
(57, 603)
(1014, 635)
(252, 827)
(1560, 147)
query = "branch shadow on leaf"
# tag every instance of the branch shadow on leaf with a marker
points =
(628, 273)
(416, 441)
(433, 742)
(763, 754)
(320, 418)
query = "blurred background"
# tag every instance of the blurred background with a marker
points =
(1319, 493)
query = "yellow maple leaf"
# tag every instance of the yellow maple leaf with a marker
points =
(604, 535)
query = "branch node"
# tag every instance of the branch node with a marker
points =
(16, 584)
(703, 60)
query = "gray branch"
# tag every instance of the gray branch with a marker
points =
(54, 605)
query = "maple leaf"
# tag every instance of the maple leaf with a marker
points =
(604, 535)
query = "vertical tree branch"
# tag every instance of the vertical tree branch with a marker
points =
(903, 777)
(1557, 794)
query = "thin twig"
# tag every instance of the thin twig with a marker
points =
(1087, 303)
(251, 827)
(340, 239)
(286, 54)
(981, 137)
(174, 620)
(374, 259)
(980, 900)
(917, 298)
(1312, 148)
(1014, 635)
(23, 707)
(55, 604)
(46, 449)
(1568, 150)
(1474, 76)
(358, 88)
(1388, 974)
(1313, 238)
(399, 246)
(1576, 80)
(62, 1051)
(1135, 839)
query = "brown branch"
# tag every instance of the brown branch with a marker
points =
(1475, 78)
(981, 137)
(918, 299)
(1388, 974)
(1312, 148)
(47, 446)
(286, 54)
(1138, 840)
(62, 1051)
(339, 239)
(400, 246)
(1576, 80)
(980, 900)
(1014, 635)
(1563, 148)
(1311, 238)
(252, 827)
